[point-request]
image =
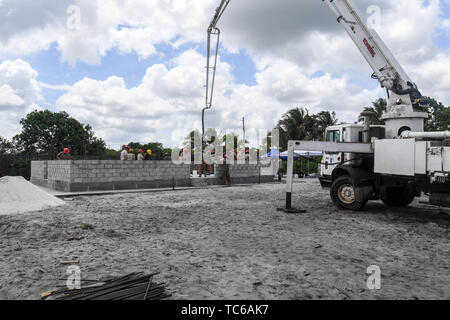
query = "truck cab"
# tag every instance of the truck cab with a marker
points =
(344, 133)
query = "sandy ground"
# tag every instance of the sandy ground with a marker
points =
(231, 243)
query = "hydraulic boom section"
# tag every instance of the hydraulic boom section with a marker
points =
(405, 108)
(386, 68)
(213, 34)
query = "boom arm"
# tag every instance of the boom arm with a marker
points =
(404, 110)
(213, 31)
(386, 68)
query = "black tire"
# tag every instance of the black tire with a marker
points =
(398, 197)
(344, 196)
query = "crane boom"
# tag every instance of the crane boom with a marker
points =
(386, 68)
(405, 106)
(213, 31)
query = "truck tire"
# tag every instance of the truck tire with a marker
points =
(344, 196)
(398, 197)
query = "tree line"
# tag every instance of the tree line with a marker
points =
(48, 133)
(299, 124)
(45, 133)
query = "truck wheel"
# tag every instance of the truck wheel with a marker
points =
(398, 197)
(344, 196)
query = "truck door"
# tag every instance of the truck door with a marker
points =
(331, 160)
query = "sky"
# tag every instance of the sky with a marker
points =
(135, 69)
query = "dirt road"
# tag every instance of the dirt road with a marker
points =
(231, 243)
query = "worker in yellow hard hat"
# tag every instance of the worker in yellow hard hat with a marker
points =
(149, 153)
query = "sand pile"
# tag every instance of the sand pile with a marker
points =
(17, 195)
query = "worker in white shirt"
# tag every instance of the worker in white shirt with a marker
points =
(131, 155)
(140, 156)
(124, 154)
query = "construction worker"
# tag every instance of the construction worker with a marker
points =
(226, 172)
(148, 155)
(64, 155)
(140, 156)
(201, 169)
(207, 164)
(124, 153)
(131, 156)
(280, 169)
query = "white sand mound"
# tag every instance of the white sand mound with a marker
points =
(17, 195)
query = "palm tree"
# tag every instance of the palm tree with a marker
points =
(324, 120)
(296, 124)
(377, 109)
(232, 140)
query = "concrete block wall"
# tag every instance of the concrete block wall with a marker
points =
(244, 173)
(108, 171)
(96, 175)
(39, 170)
(59, 170)
(244, 170)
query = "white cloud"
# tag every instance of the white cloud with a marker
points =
(434, 77)
(168, 102)
(62, 87)
(130, 26)
(9, 98)
(19, 93)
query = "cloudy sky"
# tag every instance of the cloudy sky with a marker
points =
(135, 69)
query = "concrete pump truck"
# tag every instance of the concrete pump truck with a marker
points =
(396, 162)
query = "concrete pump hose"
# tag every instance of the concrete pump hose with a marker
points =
(426, 135)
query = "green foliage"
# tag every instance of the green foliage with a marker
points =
(439, 117)
(110, 153)
(214, 139)
(211, 138)
(298, 124)
(438, 120)
(303, 166)
(377, 108)
(158, 150)
(20, 167)
(232, 141)
(6, 146)
(94, 146)
(50, 132)
(323, 120)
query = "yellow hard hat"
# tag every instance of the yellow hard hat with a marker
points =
(149, 152)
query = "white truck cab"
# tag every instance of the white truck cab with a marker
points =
(344, 133)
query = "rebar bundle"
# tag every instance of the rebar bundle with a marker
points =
(135, 286)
